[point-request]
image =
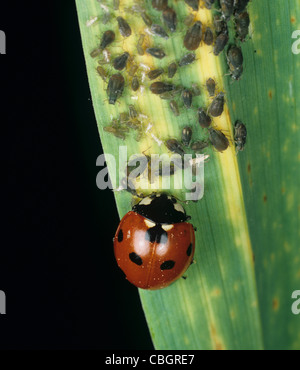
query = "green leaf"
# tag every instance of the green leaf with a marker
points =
(250, 208)
(268, 97)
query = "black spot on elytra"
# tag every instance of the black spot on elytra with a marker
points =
(135, 258)
(156, 234)
(167, 265)
(120, 236)
(189, 250)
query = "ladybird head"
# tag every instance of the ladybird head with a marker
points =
(161, 209)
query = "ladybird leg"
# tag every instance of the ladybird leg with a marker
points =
(184, 277)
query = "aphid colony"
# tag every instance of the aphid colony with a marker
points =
(194, 35)
(126, 122)
(159, 219)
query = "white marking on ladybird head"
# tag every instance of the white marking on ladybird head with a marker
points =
(146, 201)
(167, 227)
(179, 207)
(149, 224)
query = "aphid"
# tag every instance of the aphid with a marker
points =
(227, 8)
(107, 38)
(221, 42)
(160, 87)
(203, 118)
(220, 25)
(217, 106)
(121, 61)
(218, 139)
(174, 108)
(156, 52)
(172, 69)
(174, 146)
(240, 6)
(211, 87)
(235, 56)
(159, 4)
(157, 30)
(102, 73)
(134, 124)
(235, 62)
(123, 118)
(139, 45)
(186, 135)
(189, 20)
(209, 3)
(196, 90)
(103, 61)
(187, 59)
(240, 135)
(155, 73)
(168, 95)
(199, 145)
(193, 36)
(95, 53)
(116, 131)
(194, 4)
(135, 84)
(242, 22)
(147, 20)
(124, 27)
(132, 69)
(130, 118)
(132, 111)
(187, 98)
(208, 36)
(170, 19)
(115, 87)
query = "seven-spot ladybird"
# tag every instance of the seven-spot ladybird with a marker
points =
(154, 244)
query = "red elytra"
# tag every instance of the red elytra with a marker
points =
(151, 250)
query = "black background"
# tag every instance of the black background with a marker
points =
(63, 288)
